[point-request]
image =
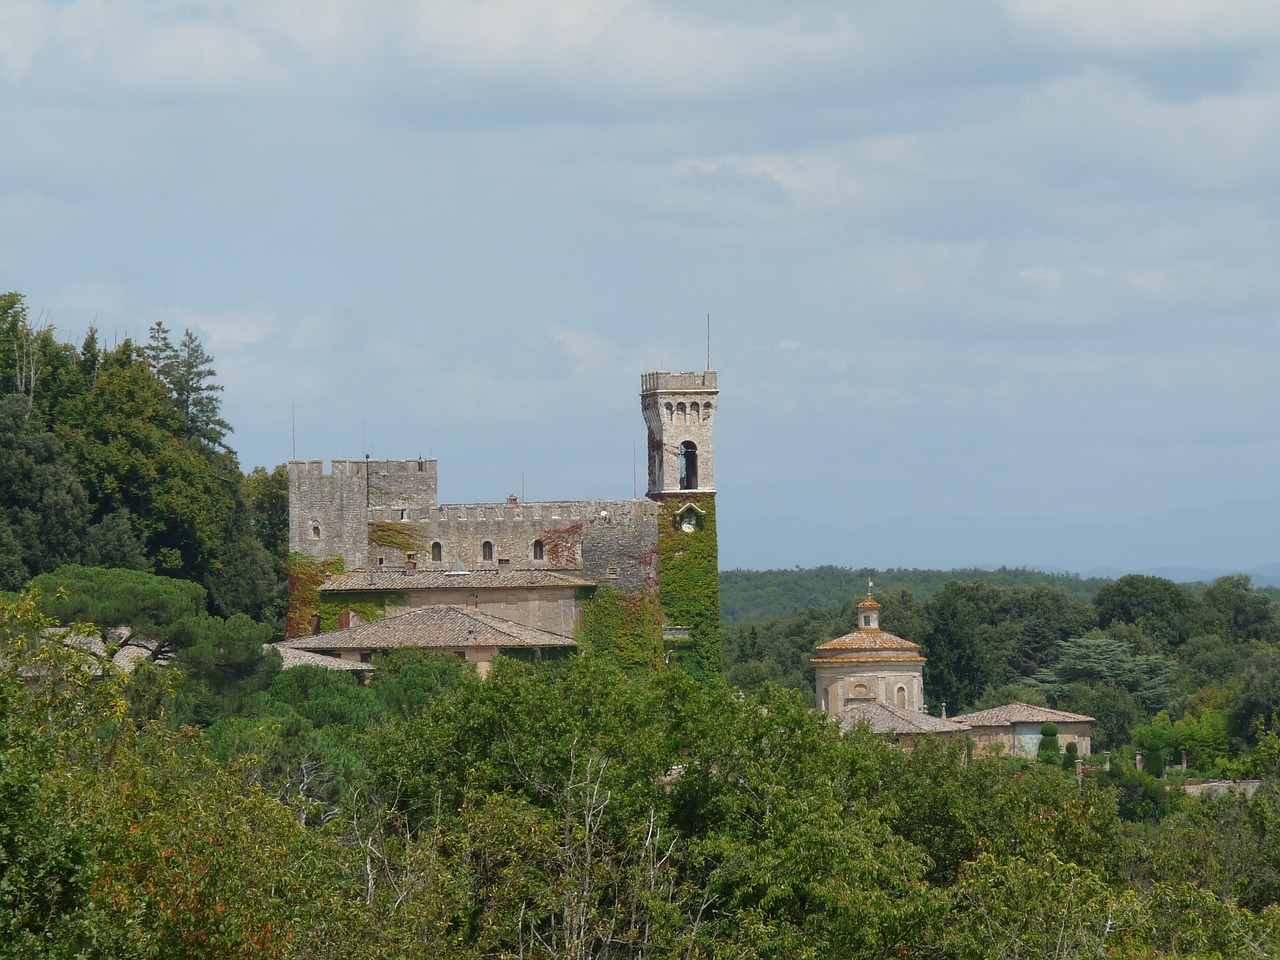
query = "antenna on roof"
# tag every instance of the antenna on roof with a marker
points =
(293, 419)
(708, 341)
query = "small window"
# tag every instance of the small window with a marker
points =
(486, 550)
(900, 696)
(315, 532)
(437, 552)
(537, 550)
(866, 619)
(381, 561)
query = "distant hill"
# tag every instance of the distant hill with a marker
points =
(752, 596)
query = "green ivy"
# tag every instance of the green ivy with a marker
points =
(306, 576)
(626, 627)
(332, 605)
(396, 534)
(689, 582)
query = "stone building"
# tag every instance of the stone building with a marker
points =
(1014, 729)
(869, 664)
(472, 635)
(371, 539)
(872, 677)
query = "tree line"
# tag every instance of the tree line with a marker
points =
(1162, 667)
(208, 803)
(118, 457)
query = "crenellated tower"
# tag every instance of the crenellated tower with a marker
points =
(680, 410)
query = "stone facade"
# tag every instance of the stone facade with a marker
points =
(384, 517)
(869, 664)
(1013, 730)
(679, 410)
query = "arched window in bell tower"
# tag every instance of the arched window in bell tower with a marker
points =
(688, 465)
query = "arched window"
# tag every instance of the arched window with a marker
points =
(537, 550)
(681, 413)
(900, 696)
(860, 691)
(688, 465)
(693, 412)
(437, 552)
(315, 531)
(486, 550)
(671, 413)
(706, 411)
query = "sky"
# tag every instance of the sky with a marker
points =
(989, 283)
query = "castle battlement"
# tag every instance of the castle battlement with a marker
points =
(313, 469)
(537, 510)
(687, 381)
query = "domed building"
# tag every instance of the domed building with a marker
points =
(869, 664)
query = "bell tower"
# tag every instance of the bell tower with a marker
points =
(680, 410)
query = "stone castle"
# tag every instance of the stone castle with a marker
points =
(386, 544)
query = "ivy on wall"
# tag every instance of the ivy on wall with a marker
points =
(396, 534)
(626, 627)
(629, 626)
(689, 580)
(333, 605)
(562, 547)
(306, 575)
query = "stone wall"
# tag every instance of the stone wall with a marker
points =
(611, 540)
(329, 512)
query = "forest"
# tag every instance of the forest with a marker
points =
(208, 804)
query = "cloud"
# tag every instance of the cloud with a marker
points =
(226, 329)
(1144, 25)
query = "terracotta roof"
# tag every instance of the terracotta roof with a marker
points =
(444, 627)
(868, 638)
(897, 656)
(300, 658)
(1019, 713)
(868, 604)
(883, 718)
(486, 578)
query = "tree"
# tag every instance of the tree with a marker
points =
(1165, 612)
(196, 393)
(1049, 750)
(1245, 613)
(266, 496)
(44, 511)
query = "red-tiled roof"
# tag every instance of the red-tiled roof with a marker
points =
(897, 656)
(444, 627)
(868, 639)
(300, 658)
(884, 718)
(1019, 713)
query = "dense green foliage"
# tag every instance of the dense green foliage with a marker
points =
(208, 804)
(118, 457)
(689, 581)
(752, 596)
(1154, 662)
(578, 812)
